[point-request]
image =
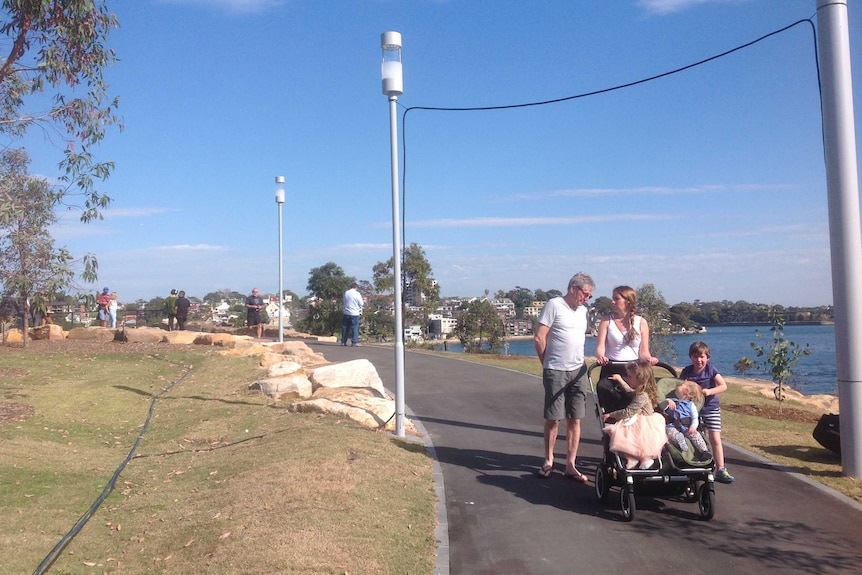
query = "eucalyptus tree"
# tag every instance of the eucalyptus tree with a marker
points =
(32, 268)
(56, 53)
(416, 272)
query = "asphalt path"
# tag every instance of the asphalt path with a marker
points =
(486, 429)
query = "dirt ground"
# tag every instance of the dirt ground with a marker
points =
(773, 412)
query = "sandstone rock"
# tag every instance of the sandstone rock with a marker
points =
(245, 351)
(294, 386)
(91, 334)
(290, 347)
(216, 339)
(356, 373)
(14, 336)
(141, 335)
(180, 337)
(268, 359)
(369, 412)
(283, 368)
(50, 332)
(342, 394)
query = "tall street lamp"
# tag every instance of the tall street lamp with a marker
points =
(393, 86)
(279, 199)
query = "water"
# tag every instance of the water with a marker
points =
(814, 374)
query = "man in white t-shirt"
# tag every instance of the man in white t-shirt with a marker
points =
(559, 341)
(352, 310)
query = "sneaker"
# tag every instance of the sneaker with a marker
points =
(647, 463)
(722, 476)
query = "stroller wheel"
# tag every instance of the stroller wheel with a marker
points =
(627, 503)
(602, 482)
(706, 500)
(690, 493)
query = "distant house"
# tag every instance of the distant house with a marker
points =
(272, 313)
(413, 333)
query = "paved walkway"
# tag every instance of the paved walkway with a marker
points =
(485, 426)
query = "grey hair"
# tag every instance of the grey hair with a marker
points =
(580, 280)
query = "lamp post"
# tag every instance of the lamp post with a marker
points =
(279, 199)
(393, 86)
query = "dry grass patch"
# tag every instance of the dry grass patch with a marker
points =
(223, 481)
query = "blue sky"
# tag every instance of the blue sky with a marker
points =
(709, 184)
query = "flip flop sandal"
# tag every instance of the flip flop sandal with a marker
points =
(545, 471)
(576, 476)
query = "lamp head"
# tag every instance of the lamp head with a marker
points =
(393, 81)
(279, 189)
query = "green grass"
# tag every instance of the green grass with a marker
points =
(224, 481)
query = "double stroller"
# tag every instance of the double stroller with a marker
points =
(677, 473)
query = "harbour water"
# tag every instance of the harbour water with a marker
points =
(814, 374)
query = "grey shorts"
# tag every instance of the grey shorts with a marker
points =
(711, 419)
(565, 393)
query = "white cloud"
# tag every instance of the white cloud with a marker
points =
(233, 6)
(521, 222)
(662, 7)
(647, 190)
(189, 248)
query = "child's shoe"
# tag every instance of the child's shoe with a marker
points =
(722, 476)
(631, 463)
(647, 463)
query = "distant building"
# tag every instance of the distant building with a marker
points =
(441, 327)
(535, 309)
(413, 333)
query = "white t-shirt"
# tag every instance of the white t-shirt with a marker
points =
(564, 350)
(352, 302)
(615, 347)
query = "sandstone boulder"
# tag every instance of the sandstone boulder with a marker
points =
(299, 352)
(283, 368)
(295, 386)
(216, 339)
(180, 337)
(91, 334)
(369, 412)
(141, 335)
(14, 336)
(356, 373)
(268, 359)
(50, 332)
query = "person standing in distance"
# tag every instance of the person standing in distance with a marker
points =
(352, 310)
(171, 309)
(183, 305)
(253, 304)
(559, 341)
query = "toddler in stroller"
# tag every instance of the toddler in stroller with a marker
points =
(635, 432)
(682, 419)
